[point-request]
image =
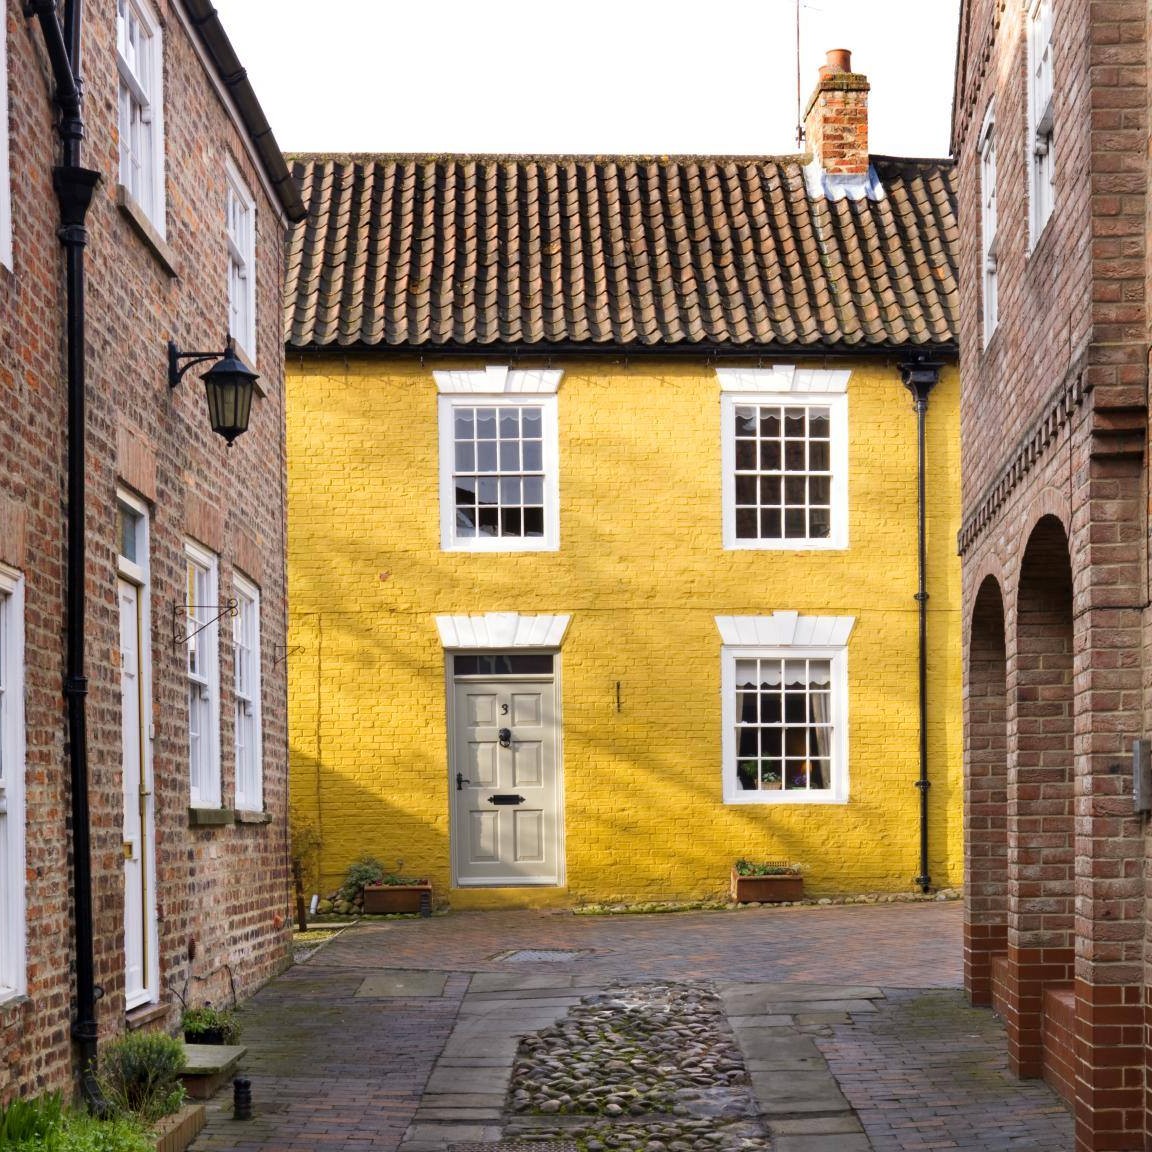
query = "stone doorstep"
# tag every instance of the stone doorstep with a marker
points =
(208, 1067)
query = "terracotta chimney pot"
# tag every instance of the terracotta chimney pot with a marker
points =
(839, 60)
(836, 120)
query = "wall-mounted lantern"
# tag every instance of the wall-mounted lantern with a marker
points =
(229, 384)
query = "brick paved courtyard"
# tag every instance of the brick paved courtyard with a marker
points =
(338, 1064)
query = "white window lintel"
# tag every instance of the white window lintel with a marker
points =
(783, 378)
(499, 380)
(785, 629)
(502, 630)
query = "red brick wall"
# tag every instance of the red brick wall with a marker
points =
(1059, 1042)
(1054, 424)
(224, 887)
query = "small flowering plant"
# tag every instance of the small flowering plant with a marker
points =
(767, 868)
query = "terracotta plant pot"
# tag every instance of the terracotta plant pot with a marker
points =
(390, 899)
(766, 889)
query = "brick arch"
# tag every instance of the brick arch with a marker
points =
(985, 792)
(1040, 788)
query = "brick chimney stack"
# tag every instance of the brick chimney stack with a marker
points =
(836, 120)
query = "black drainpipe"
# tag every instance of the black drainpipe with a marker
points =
(920, 377)
(74, 186)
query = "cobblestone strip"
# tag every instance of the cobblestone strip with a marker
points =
(538, 1060)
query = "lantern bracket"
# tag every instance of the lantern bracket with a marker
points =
(176, 370)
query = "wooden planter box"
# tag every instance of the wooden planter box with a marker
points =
(174, 1133)
(766, 889)
(390, 899)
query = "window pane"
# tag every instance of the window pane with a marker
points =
(745, 455)
(532, 423)
(745, 489)
(745, 421)
(533, 456)
(510, 521)
(510, 491)
(746, 523)
(509, 456)
(533, 490)
(485, 423)
(819, 456)
(465, 458)
(486, 456)
(509, 423)
(486, 489)
(533, 521)
(488, 521)
(770, 422)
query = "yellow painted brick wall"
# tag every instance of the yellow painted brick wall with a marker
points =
(643, 574)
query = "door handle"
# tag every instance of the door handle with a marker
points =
(505, 736)
(460, 781)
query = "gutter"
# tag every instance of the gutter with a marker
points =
(706, 353)
(74, 187)
(920, 376)
(206, 23)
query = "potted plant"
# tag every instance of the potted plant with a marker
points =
(773, 882)
(208, 1025)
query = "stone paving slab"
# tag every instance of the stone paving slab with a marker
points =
(405, 983)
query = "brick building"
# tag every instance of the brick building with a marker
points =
(603, 517)
(1050, 133)
(182, 737)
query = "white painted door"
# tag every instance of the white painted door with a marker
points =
(504, 782)
(136, 802)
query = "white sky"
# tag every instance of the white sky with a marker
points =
(596, 76)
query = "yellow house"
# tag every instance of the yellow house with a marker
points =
(608, 561)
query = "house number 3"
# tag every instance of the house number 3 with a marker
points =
(503, 709)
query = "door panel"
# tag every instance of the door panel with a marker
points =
(133, 752)
(506, 818)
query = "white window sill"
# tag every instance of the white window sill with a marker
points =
(784, 798)
(499, 545)
(785, 546)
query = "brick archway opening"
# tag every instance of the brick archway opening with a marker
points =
(1038, 972)
(985, 794)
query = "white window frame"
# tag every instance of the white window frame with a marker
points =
(786, 636)
(240, 229)
(1041, 126)
(13, 930)
(248, 687)
(202, 640)
(989, 225)
(141, 87)
(499, 387)
(6, 257)
(788, 387)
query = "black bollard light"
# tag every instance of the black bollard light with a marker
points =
(241, 1099)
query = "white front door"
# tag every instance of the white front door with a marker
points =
(135, 873)
(504, 785)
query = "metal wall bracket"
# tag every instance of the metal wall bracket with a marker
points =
(1142, 776)
(180, 612)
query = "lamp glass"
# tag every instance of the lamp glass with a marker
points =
(229, 386)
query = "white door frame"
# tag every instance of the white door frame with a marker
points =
(450, 702)
(137, 573)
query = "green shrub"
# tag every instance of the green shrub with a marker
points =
(31, 1123)
(43, 1125)
(140, 1075)
(365, 870)
(84, 1133)
(208, 1025)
